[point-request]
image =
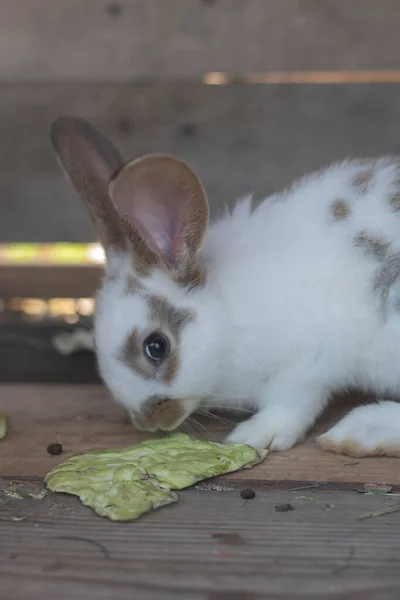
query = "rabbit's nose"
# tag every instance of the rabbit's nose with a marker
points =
(160, 412)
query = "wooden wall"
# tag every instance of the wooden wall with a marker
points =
(137, 69)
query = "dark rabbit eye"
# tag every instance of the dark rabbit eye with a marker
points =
(156, 347)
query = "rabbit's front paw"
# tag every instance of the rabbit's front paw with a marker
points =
(266, 431)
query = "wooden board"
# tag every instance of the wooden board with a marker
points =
(103, 39)
(82, 418)
(208, 546)
(49, 281)
(240, 138)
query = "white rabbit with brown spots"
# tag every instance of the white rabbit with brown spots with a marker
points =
(274, 307)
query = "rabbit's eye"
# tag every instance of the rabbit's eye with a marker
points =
(156, 347)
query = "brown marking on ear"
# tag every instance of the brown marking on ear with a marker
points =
(340, 209)
(132, 355)
(163, 413)
(355, 449)
(166, 207)
(90, 162)
(395, 203)
(145, 259)
(373, 246)
(362, 180)
(193, 277)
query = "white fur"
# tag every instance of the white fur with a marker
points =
(288, 313)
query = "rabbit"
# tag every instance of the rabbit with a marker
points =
(271, 308)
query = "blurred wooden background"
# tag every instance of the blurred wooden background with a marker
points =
(147, 73)
(136, 68)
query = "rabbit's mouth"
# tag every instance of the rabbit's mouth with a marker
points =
(160, 413)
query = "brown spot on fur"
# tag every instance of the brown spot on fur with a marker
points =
(363, 180)
(355, 449)
(171, 366)
(132, 286)
(395, 203)
(340, 209)
(162, 413)
(371, 245)
(388, 275)
(132, 355)
(170, 317)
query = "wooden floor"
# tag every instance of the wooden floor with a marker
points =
(211, 545)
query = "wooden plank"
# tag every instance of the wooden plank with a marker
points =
(239, 138)
(208, 546)
(103, 39)
(82, 418)
(49, 281)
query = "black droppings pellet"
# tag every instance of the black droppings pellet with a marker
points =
(284, 507)
(248, 494)
(54, 449)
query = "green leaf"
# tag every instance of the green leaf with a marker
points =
(380, 513)
(125, 483)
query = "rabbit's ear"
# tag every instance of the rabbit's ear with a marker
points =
(165, 205)
(90, 161)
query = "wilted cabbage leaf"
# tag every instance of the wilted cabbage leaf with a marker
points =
(123, 484)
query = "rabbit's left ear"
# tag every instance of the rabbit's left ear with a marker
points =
(165, 205)
(90, 162)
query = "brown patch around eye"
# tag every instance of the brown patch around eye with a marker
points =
(171, 319)
(166, 318)
(171, 366)
(163, 413)
(371, 245)
(363, 180)
(132, 355)
(340, 209)
(395, 203)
